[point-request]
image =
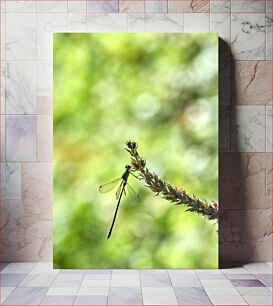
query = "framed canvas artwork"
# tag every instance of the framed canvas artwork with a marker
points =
(135, 150)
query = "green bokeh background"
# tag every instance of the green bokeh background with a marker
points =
(160, 90)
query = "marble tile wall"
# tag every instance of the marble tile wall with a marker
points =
(245, 31)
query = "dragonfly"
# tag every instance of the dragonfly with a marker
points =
(123, 182)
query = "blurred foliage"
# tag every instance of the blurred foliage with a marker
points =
(160, 90)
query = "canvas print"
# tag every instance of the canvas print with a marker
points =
(135, 150)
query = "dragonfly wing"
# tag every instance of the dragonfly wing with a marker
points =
(109, 186)
(118, 191)
(132, 193)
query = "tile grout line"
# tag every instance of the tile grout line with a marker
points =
(49, 287)
(85, 16)
(203, 285)
(109, 286)
(127, 26)
(46, 60)
(265, 134)
(66, 18)
(107, 300)
(5, 86)
(265, 38)
(78, 289)
(173, 287)
(27, 274)
(141, 288)
(230, 82)
(36, 80)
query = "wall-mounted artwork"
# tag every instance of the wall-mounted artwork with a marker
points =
(135, 150)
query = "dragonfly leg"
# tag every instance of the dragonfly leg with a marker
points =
(133, 174)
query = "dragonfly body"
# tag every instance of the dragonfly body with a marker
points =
(126, 173)
(121, 190)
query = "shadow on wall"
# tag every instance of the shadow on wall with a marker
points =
(230, 165)
(239, 240)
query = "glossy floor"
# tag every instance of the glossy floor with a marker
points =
(39, 284)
